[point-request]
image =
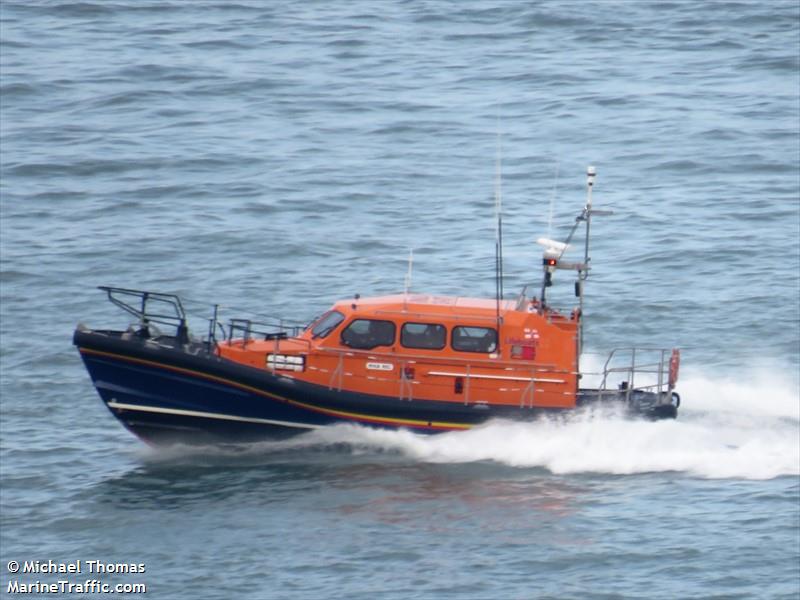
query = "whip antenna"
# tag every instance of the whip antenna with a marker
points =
(498, 209)
(410, 269)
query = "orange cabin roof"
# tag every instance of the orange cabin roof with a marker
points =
(426, 304)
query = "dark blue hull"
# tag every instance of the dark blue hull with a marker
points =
(164, 392)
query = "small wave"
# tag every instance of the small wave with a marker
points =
(788, 64)
(680, 166)
(552, 19)
(218, 44)
(8, 276)
(10, 90)
(81, 9)
(82, 168)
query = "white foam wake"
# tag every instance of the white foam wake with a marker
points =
(747, 427)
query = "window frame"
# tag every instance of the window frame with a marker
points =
(444, 338)
(356, 320)
(453, 339)
(318, 322)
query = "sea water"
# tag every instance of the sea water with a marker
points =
(273, 157)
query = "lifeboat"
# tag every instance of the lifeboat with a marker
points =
(420, 362)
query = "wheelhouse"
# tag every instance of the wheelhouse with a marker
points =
(465, 350)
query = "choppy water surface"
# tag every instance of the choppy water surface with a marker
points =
(275, 156)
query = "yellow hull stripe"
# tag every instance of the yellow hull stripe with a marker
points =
(311, 407)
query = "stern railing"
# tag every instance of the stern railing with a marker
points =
(631, 369)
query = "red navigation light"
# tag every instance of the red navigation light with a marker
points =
(550, 262)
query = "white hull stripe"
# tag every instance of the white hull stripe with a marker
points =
(207, 415)
(502, 377)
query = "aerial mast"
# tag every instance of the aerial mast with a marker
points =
(498, 249)
(554, 250)
(583, 273)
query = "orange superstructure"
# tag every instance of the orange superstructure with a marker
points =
(431, 347)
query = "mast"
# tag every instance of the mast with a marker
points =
(583, 273)
(498, 246)
(553, 253)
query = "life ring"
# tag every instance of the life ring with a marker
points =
(674, 367)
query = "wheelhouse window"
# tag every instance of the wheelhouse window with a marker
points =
(474, 339)
(365, 334)
(427, 336)
(327, 323)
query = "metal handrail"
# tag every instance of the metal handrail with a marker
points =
(405, 384)
(337, 375)
(542, 368)
(141, 312)
(140, 304)
(659, 368)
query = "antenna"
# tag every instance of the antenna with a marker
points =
(591, 172)
(498, 209)
(555, 250)
(410, 269)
